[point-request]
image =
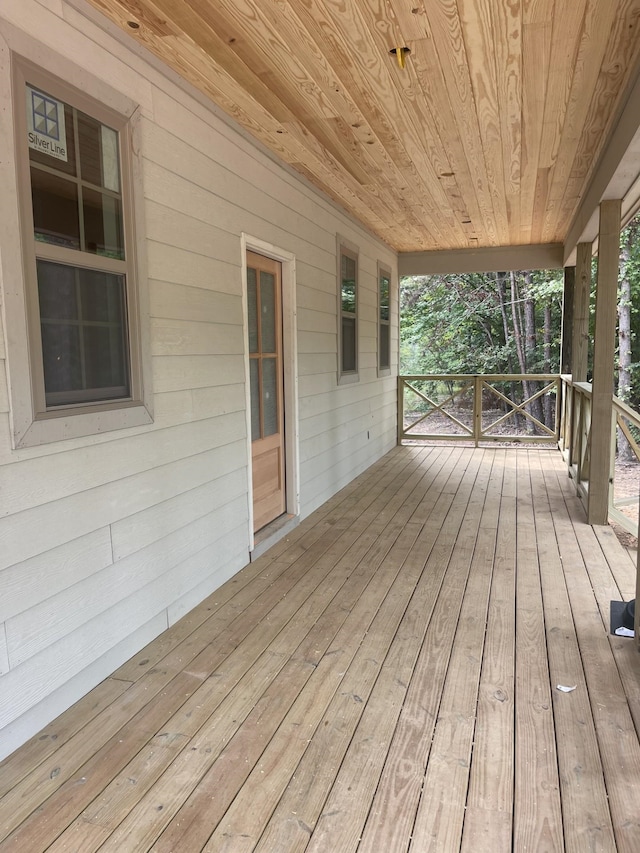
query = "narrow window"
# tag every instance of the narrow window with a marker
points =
(348, 329)
(384, 329)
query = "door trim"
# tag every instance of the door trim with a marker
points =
(290, 365)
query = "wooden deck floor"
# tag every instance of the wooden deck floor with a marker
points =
(382, 681)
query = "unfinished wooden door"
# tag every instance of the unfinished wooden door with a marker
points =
(264, 305)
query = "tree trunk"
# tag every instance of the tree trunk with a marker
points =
(549, 400)
(531, 345)
(517, 323)
(625, 453)
(527, 348)
(501, 280)
(518, 336)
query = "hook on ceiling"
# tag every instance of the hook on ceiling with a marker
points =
(400, 53)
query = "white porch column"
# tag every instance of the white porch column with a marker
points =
(603, 361)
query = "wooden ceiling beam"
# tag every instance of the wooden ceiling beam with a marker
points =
(499, 259)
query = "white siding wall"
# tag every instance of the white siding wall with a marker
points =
(107, 540)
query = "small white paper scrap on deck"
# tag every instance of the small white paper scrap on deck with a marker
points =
(564, 689)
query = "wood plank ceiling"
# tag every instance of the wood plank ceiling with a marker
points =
(487, 137)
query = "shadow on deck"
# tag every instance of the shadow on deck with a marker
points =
(382, 680)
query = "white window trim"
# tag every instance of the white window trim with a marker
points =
(383, 269)
(351, 376)
(29, 426)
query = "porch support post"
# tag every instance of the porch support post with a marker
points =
(568, 309)
(603, 362)
(580, 329)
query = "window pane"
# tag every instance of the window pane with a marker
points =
(348, 284)
(84, 334)
(105, 359)
(102, 224)
(252, 309)
(57, 292)
(384, 297)
(255, 398)
(61, 357)
(89, 144)
(55, 209)
(348, 344)
(110, 159)
(268, 312)
(101, 296)
(269, 396)
(98, 153)
(384, 346)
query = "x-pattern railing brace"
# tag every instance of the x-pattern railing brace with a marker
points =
(438, 408)
(519, 408)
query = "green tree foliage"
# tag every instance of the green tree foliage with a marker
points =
(510, 322)
(628, 350)
(475, 323)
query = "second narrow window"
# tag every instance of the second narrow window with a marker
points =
(348, 312)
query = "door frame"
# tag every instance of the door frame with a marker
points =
(290, 371)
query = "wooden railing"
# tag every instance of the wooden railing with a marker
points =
(575, 431)
(575, 435)
(479, 408)
(523, 408)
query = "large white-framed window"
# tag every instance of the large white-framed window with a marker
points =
(384, 320)
(347, 312)
(75, 198)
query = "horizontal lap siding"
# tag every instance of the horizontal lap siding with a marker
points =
(107, 540)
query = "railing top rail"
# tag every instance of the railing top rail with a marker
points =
(627, 411)
(492, 377)
(445, 376)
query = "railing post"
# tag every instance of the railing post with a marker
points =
(567, 399)
(580, 413)
(400, 402)
(477, 409)
(612, 459)
(572, 422)
(559, 413)
(579, 405)
(576, 421)
(585, 429)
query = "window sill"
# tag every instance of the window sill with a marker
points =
(64, 426)
(348, 378)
